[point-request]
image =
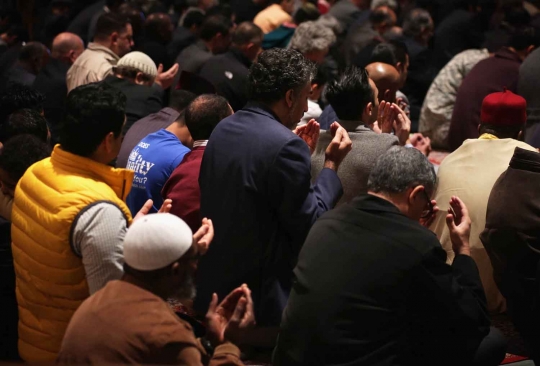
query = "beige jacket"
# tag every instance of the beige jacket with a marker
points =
(93, 65)
(470, 173)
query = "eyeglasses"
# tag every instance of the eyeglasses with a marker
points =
(427, 213)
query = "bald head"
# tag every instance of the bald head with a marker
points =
(67, 47)
(386, 78)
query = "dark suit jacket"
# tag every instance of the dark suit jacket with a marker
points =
(229, 75)
(141, 129)
(51, 82)
(256, 187)
(142, 100)
(373, 288)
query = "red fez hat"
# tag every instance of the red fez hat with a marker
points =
(504, 109)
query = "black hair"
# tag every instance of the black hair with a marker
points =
(524, 37)
(204, 113)
(24, 121)
(21, 152)
(277, 71)
(193, 18)
(502, 132)
(247, 32)
(17, 96)
(180, 99)
(380, 15)
(322, 76)
(222, 9)
(215, 24)
(109, 23)
(92, 112)
(32, 51)
(19, 31)
(306, 13)
(389, 53)
(154, 27)
(415, 22)
(350, 94)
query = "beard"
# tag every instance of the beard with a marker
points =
(187, 290)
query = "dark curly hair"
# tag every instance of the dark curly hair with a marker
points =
(92, 112)
(276, 72)
(15, 160)
(22, 122)
(17, 96)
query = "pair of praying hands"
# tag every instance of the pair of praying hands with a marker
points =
(391, 118)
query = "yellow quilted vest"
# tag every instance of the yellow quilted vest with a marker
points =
(51, 282)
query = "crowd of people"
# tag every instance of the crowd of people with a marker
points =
(248, 181)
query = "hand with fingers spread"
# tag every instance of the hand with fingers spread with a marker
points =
(165, 79)
(226, 321)
(459, 224)
(309, 133)
(402, 125)
(338, 148)
(165, 208)
(421, 143)
(204, 236)
(386, 117)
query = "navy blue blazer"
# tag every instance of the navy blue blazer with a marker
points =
(256, 187)
(327, 117)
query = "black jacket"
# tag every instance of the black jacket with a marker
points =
(373, 288)
(141, 100)
(229, 75)
(51, 82)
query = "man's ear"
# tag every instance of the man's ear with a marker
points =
(108, 142)
(530, 49)
(114, 37)
(289, 98)
(415, 193)
(369, 109)
(139, 78)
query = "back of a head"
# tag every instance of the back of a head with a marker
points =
(221, 9)
(213, 25)
(350, 94)
(133, 15)
(308, 12)
(399, 169)
(109, 23)
(18, 31)
(416, 22)
(389, 53)
(245, 33)
(65, 42)
(32, 51)
(330, 22)
(524, 37)
(14, 161)
(24, 121)
(311, 36)
(18, 96)
(193, 19)
(180, 99)
(204, 113)
(92, 112)
(157, 27)
(277, 71)
(383, 14)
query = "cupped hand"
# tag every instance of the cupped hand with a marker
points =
(338, 148)
(204, 236)
(421, 143)
(402, 125)
(459, 225)
(165, 79)
(310, 134)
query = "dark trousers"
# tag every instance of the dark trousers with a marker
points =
(492, 349)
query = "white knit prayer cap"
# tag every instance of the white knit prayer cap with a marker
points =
(156, 241)
(139, 61)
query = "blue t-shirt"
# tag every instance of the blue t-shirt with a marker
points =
(153, 160)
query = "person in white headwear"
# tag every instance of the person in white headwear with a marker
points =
(129, 321)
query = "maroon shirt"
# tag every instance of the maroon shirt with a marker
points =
(183, 188)
(488, 76)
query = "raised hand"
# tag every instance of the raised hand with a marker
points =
(234, 314)
(204, 236)
(402, 125)
(386, 117)
(165, 79)
(459, 224)
(310, 134)
(421, 143)
(427, 221)
(338, 148)
(165, 208)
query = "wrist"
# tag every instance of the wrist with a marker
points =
(330, 165)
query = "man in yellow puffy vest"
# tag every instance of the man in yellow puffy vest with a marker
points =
(69, 220)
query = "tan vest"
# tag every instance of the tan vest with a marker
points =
(51, 281)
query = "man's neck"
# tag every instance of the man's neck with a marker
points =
(393, 199)
(145, 286)
(180, 132)
(103, 44)
(208, 45)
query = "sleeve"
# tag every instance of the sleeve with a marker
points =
(454, 300)
(298, 203)
(98, 237)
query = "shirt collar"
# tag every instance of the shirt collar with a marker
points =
(507, 54)
(353, 126)
(199, 143)
(97, 47)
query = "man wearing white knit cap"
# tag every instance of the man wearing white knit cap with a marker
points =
(128, 321)
(137, 76)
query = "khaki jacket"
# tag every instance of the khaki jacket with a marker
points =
(93, 65)
(470, 173)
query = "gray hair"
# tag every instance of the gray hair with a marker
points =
(416, 22)
(311, 36)
(399, 169)
(390, 3)
(331, 22)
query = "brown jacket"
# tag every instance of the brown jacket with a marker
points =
(125, 324)
(93, 65)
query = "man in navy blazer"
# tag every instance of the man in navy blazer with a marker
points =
(255, 186)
